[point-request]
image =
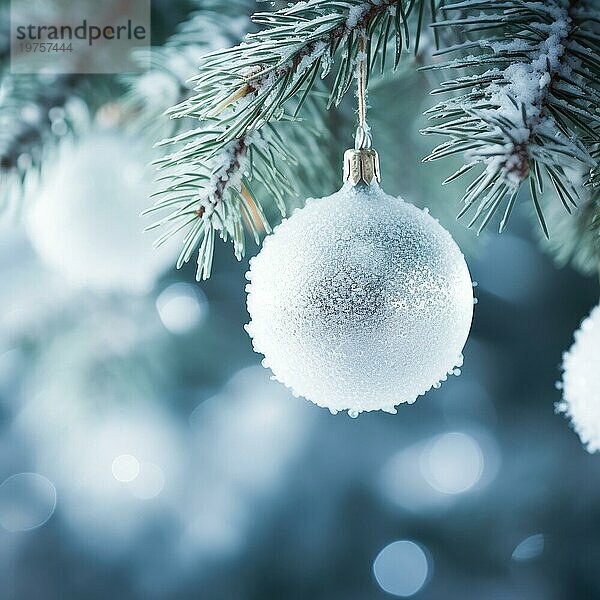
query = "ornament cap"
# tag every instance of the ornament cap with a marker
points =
(361, 166)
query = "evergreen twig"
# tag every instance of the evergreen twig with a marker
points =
(528, 107)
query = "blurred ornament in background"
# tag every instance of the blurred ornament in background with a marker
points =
(27, 501)
(85, 219)
(581, 382)
(360, 301)
(402, 568)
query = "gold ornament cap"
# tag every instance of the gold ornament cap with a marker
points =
(361, 166)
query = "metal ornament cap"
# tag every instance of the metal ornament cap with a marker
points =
(361, 166)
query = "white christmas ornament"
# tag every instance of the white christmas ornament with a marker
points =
(360, 301)
(85, 222)
(581, 382)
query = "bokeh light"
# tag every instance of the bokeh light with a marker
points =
(125, 467)
(529, 548)
(181, 307)
(27, 501)
(453, 463)
(431, 474)
(401, 568)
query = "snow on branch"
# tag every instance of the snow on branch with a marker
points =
(528, 109)
(211, 190)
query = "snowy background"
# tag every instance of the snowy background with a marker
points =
(144, 453)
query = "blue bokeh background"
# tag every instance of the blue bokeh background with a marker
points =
(145, 453)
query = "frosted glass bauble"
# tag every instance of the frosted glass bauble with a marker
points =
(360, 301)
(85, 221)
(581, 382)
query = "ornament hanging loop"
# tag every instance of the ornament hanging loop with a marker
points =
(362, 139)
(361, 165)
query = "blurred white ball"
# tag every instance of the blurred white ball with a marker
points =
(85, 221)
(360, 301)
(581, 382)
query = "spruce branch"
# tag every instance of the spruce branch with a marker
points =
(528, 109)
(33, 111)
(217, 195)
(242, 94)
(285, 58)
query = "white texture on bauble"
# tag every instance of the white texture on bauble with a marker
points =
(581, 382)
(360, 301)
